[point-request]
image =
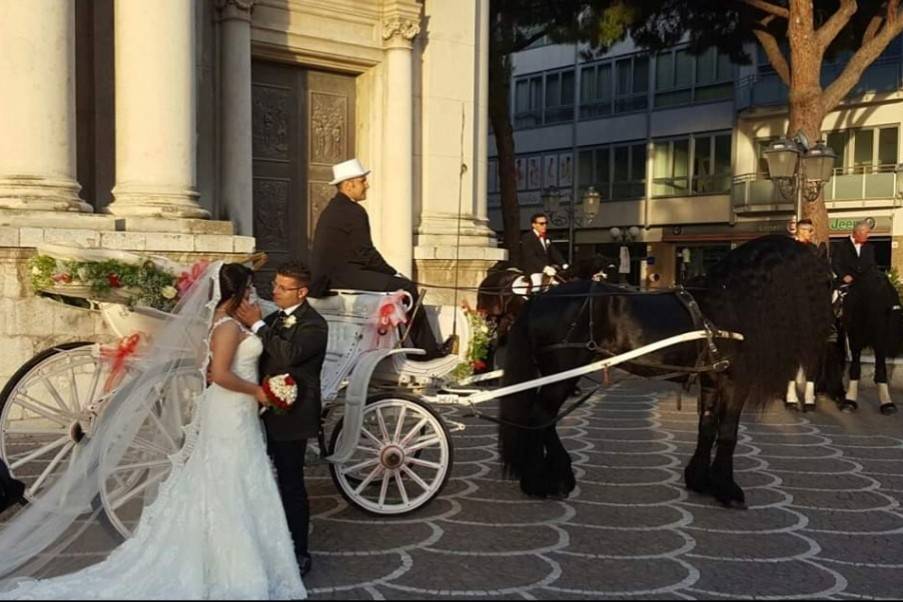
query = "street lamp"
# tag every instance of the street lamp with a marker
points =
(799, 169)
(561, 211)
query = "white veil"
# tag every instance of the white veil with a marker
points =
(141, 425)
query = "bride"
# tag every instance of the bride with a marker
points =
(216, 528)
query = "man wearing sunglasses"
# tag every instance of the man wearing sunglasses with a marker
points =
(343, 255)
(537, 253)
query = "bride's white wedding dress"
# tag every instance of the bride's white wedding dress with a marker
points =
(217, 528)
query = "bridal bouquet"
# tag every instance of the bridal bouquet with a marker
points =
(281, 391)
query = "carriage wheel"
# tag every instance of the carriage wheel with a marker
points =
(402, 460)
(42, 404)
(133, 483)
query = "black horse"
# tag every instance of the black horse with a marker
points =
(871, 317)
(768, 290)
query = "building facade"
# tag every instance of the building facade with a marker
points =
(673, 143)
(207, 128)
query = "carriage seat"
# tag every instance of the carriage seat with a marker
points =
(349, 303)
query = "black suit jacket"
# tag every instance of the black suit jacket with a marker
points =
(298, 350)
(533, 258)
(342, 244)
(845, 261)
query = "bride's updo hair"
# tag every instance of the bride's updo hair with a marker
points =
(234, 280)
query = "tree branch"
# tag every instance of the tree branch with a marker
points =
(768, 7)
(772, 50)
(864, 57)
(872, 29)
(827, 32)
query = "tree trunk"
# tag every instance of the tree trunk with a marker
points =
(806, 105)
(500, 117)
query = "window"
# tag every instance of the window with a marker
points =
(596, 90)
(681, 78)
(865, 150)
(617, 172)
(528, 101)
(559, 96)
(614, 86)
(700, 164)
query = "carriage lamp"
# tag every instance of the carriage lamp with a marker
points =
(800, 169)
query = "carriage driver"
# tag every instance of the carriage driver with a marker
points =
(537, 253)
(343, 255)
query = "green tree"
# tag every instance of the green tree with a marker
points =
(796, 36)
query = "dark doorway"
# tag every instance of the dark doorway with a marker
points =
(303, 123)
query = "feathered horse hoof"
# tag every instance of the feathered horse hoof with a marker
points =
(734, 504)
(848, 406)
(888, 408)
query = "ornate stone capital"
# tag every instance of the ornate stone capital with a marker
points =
(235, 9)
(400, 32)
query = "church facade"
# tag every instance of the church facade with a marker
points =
(207, 128)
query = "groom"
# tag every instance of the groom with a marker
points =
(294, 342)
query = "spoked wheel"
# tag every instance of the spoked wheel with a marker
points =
(43, 410)
(402, 460)
(130, 485)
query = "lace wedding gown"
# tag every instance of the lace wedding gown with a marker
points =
(217, 528)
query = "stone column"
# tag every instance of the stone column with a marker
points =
(156, 105)
(236, 168)
(481, 212)
(37, 106)
(398, 145)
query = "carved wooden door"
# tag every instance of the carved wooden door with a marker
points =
(303, 123)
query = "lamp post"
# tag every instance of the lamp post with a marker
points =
(624, 236)
(562, 211)
(800, 169)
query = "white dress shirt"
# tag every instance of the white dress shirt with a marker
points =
(857, 246)
(260, 323)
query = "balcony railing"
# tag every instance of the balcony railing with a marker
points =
(767, 89)
(879, 185)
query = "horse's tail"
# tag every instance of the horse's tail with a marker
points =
(777, 293)
(515, 443)
(894, 322)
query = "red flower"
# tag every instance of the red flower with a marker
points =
(64, 278)
(478, 365)
(114, 281)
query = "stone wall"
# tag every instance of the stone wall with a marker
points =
(30, 324)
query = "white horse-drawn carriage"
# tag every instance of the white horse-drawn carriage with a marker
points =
(388, 450)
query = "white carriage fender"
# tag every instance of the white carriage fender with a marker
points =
(600, 365)
(356, 399)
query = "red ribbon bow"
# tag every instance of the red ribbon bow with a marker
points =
(117, 356)
(186, 279)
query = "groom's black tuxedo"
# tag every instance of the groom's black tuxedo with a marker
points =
(298, 349)
(295, 345)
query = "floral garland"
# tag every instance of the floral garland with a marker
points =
(482, 335)
(133, 284)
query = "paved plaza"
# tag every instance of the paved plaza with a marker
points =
(824, 517)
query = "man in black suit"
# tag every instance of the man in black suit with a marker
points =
(854, 257)
(537, 253)
(294, 342)
(343, 255)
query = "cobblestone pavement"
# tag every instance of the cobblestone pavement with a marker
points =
(824, 517)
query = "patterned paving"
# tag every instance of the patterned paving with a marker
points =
(824, 520)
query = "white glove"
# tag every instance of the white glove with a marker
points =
(549, 271)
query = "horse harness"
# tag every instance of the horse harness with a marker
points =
(710, 358)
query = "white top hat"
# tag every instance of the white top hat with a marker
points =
(347, 170)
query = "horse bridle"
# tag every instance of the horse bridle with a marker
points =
(716, 362)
